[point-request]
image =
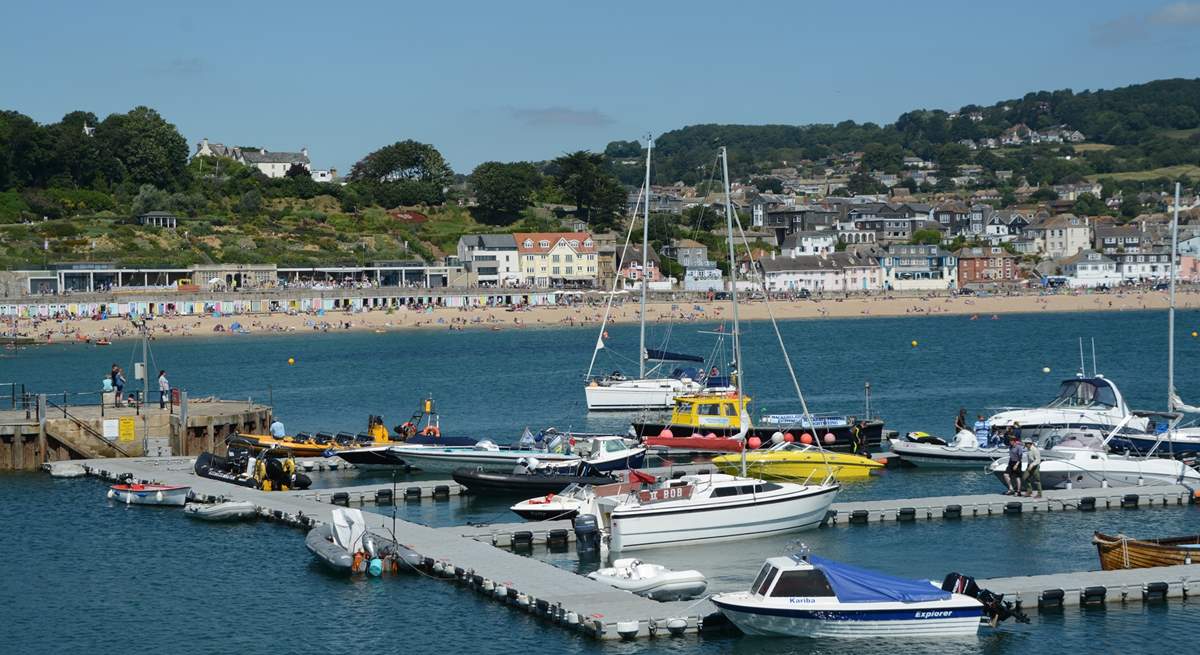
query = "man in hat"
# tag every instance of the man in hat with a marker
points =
(1033, 461)
(1012, 474)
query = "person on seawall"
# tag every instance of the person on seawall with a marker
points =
(164, 389)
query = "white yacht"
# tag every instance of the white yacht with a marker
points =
(1083, 403)
(1081, 461)
(963, 452)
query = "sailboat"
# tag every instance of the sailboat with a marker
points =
(714, 507)
(617, 392)
(1165, 440)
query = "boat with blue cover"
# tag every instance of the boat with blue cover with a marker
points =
(809, 596)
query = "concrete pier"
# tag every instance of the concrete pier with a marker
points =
(46, 432)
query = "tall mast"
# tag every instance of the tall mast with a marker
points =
(645, 259)
(733, 302)
(1171, 309)
(145, 365)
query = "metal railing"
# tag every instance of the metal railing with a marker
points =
(84, 426)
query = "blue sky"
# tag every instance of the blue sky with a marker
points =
(531, 80)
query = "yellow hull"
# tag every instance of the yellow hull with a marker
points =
(797, 467)
(309, 449)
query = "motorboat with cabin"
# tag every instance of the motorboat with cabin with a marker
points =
(705, 422)
(1081, 460)
(808, 596)
(566, 503)
(651, 580)
(788, 460)
(920, 449)
(1082, 403)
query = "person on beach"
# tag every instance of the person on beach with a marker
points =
(1033, 462)
(1012, 474)
(164, 389)
(960, 421)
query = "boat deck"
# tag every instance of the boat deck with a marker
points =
(466, 556)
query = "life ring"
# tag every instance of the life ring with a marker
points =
(431, 431)
(408, 429)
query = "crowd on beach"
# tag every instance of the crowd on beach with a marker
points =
(572, 311)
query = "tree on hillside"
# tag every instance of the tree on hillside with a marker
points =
(298, 170)
(504, 190)
(25, 155)
(863, 184)
(623, 149)
(77, 158)
(1089, 205)
(926, 237)
(585, 179)
(769, 185)
(143, 148)
(404, 173)
(150, 198)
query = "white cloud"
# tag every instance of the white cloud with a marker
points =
(1177, 14)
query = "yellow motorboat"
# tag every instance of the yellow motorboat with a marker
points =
(307, 445)
(795, 462)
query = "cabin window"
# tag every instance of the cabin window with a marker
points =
(683, 408)
(763, 581)
(802, 583)
(710, 410)
(730, 409)
(770, 486)
(614, 446)
(724, 492)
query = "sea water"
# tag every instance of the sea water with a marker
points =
(83, 573)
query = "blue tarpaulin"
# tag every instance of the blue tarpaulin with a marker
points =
(855, 585)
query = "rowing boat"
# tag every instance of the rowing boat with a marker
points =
(1121, 552)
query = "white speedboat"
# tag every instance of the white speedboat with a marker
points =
(801, 596)
(964, 452)
(150, 494)
(229, 510)
(651, 580)
(1081, 461)
(1082, 403)
(708, 508)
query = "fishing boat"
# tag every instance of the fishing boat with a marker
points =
(651, 580)
(648, 390)
(150, 494)
(705, 422)
(229, 510)
(1121, 552)
(249, 465)
(533, 480)
(568, 502)
(787, 460)
(1082, 461)
(964, 452)
(810, 596)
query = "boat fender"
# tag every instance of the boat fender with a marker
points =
(357, 566)
(158, 496)
(112, 494)
(376, 567)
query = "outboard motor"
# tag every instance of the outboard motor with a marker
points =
(587, 536)
(994, 606)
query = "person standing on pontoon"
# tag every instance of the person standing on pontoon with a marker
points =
(1012, 474)
(1033, 463)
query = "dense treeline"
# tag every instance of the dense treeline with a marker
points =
(1137, 120)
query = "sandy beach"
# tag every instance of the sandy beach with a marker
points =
(990, 307)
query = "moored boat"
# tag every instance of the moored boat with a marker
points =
(568, 502)
(227, 511)
(707, 422)
(1082, 461)
(786, 460)
(150, 494)
(1121, 552)
(651, 580)
(273, 469)
(964, 452)
(809, 596)
(479, 481)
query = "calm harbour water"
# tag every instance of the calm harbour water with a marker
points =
(82, 573)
